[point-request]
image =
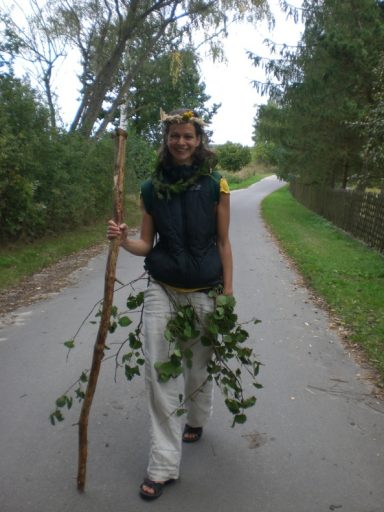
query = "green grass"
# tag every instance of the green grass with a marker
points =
(249, 175)
(345, 273)
(21, 259)
(234, 185)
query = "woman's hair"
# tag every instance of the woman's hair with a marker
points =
(201, 154)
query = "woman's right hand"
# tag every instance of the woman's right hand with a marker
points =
(116, 231)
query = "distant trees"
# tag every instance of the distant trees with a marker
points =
(324, 110)
(233, 156)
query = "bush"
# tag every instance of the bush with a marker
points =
(233, 156)
(24, 130)
(52, 181)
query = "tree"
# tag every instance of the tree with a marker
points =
(373, 126)
(171, 81)
(233, 156)
(23, 131)
(39, 44)
(115, 38)
(323, 90)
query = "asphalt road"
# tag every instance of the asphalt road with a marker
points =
(312, 443)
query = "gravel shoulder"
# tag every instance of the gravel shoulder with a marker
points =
(50, 280)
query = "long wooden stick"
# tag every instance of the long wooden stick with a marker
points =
(109, 283)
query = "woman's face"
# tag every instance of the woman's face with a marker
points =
(182, 142)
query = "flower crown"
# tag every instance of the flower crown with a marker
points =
(185, 117)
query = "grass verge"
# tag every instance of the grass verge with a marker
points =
(249, 175)
(21, 259)
(345, 273)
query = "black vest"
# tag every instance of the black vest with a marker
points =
(186, 254)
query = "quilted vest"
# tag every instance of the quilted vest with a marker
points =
(186, 254)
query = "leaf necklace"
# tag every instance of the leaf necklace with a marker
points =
(177, 179)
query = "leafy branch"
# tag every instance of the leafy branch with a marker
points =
(232, 360)
(132, 359)
(230, 356)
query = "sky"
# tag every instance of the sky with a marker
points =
(227, 83)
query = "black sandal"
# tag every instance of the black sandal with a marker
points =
(192, 434)
(157, 488)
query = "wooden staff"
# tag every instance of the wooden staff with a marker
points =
(109, 282)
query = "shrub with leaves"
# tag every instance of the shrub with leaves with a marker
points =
(233, 156)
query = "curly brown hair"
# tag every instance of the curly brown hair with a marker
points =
(201, 155)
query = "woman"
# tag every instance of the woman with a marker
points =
(185, 204)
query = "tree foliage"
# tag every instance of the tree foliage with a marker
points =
(233, 156)
(52, 180)
(373, 126)
(321, 91)
(49, 181)
(116, 38)
(170, 81)
(23, 132)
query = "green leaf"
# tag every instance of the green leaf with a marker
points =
(69, 344)
(213, 328)
(127, 357)
(79, 394)
(56, 416)
(219, 312)
(124, 321)
(168, 335)
(134, 341)
(249, 402)
(232, 405)
(61, 401)
(240, 418)
(83, 377)
(112, 327)
(180, 412)
(168, 369)
(135, 301)
(228, 301)
(131, 371)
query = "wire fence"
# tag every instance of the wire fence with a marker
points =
(359, 213)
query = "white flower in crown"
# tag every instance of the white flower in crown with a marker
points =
(185, 117)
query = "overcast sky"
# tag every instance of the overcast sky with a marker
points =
(229, 84)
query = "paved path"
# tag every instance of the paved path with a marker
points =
(313, 443)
